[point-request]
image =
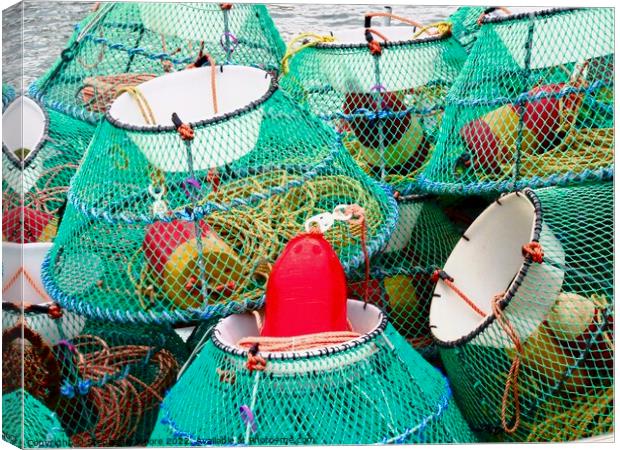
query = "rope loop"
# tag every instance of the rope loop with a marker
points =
(512, 378)
(443, 28)
(306, 40)
(368, 17)
(487, 11)
(375, 48)
(534, 250)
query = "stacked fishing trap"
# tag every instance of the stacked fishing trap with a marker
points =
(370, 389)
(533, 106)
(84, 383)
(382, 88)
(523, 308)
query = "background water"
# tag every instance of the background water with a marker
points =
(47, 26)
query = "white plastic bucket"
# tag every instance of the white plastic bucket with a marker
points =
(188, 93)
(489, 261)
(33, 255)
(408, 214)
(359, 75)
(363, 320)
(24, 125)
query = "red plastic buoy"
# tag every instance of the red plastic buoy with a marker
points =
(37, 226)
(307, 290)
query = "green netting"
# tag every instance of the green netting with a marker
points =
(37, 167)
(401, 274)
(533, 106)
(162, 226)
(465, 24)
(103, 381)
(374, 389)
(389, 104)
(34, 426)
(123, 44)
(555, 320)
(8, 94)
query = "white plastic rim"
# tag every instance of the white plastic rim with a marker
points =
(188, 21)
(34, 125)
(188, 93)
(33, 255)
(363, 320)
(22, 176)
(408, 214)
(488, 263)
(359, 74)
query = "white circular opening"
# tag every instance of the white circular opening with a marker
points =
(232, 329)
(358, 35)
(188, 93)
(483, 265)
(34, 126)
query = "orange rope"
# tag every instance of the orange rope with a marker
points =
(512, 379)
(499, 8)
(395, 17)
(28, 278)
(298, 343)
(204, 54)
(378, 34)
(533, 250)
(449, 281)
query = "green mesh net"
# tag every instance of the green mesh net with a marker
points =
(400, 281)
(465, 24)
(523, 315)
(8, 94)
(178, 211)
(34, 426)
(386, 97)
(533, 106)
(102, 381)
(374, 389)
(123, 44)
(36, 168)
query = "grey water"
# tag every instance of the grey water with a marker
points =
(47, 25)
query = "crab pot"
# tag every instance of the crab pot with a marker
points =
(555, 315)
(124, 44)
(531, 107)
(26, 422)
(390, 105)
(191, 233)
(357, 382)
(36, 170)
(400, 280)
(63, 368)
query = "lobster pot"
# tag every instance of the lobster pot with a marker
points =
(26, 422)
(8, 94)
(400, 280)
(388, 105)
(373, 389)
(102, 381)
(41, 150)
(123, 44)
(526, 300)
(532, 107)
(166, 226)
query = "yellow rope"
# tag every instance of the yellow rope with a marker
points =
(143, 104)
(441, 27)
(290, 51)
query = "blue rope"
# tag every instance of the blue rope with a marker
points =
(385, 113)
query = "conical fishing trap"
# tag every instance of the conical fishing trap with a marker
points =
(533, 106)
(383, 88)
(102, 382)
(523, 315)
(191, 187)
(27, 423)
(400, 276)
(371, 389)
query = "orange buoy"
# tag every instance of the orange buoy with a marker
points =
(37, 226)
(493, 137)
(306, 291)
(171, 250)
